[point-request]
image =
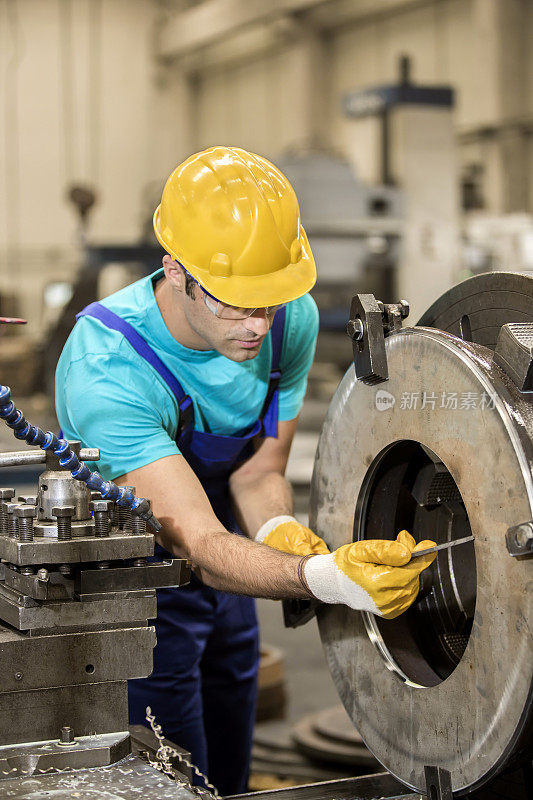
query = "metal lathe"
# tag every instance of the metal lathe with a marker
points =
(430, 430)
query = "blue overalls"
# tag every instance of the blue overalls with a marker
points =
(203, 686)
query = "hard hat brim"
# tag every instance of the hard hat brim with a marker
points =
(254, 291)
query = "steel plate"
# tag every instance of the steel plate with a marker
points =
(130, 779)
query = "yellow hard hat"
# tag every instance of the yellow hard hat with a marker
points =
(232, 220)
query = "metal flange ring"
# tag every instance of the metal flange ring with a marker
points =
(444, 445)
(476, 309)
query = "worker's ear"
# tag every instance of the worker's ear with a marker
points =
(174, 273)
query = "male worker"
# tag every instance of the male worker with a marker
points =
(190, 382)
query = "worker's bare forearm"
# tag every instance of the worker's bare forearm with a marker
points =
(232, 563)
(190, 529)
(258, 498)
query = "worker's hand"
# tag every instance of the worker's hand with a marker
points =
(371, 575)
(290, 536)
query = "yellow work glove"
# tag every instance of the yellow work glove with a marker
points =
(287, 534)
(373, 575)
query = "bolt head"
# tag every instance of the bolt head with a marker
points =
(523, 535)
(42, 574)
(67, 735)
(100, 505)
(9, 508)
(355, 329)
(63, 511)
(7, 494)
(29, 499)
(26, 511)
(18, 676)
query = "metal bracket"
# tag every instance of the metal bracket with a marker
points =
(119, 579)
(371, 321)
(34, 586)
(438, 783)
(519, 539)
(514, 353)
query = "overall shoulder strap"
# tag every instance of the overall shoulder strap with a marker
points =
(143, 349)
(269, 412)
(278, 329)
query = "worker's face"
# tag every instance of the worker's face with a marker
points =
(238, 340)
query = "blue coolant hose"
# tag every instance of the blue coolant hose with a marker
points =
(68, 460)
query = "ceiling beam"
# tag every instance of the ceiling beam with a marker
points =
(214, 20)
(343, 12)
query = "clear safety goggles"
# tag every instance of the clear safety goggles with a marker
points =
(225, 311)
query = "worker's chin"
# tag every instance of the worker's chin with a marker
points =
(243, 351)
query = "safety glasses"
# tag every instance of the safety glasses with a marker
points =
(225, 311)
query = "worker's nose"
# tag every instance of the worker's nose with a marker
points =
(258, 323)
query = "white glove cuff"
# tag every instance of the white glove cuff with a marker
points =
(269, 526)
(320, 574)
(330, 585)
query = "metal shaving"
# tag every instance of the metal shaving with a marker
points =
(165, 753)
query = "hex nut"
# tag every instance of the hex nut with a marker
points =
(355, 329)
(523, 535)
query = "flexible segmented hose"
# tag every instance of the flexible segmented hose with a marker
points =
(68, 460)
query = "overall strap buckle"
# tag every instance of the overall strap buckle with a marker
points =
(186, 419)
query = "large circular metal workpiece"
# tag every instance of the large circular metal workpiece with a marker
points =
(443, 448)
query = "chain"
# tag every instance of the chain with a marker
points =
(165, 752)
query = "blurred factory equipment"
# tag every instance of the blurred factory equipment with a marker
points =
(83, 199)
(321, 746)
(355, 233)
(353, 228)
(403, 136)
(497, 242)
(330, 737)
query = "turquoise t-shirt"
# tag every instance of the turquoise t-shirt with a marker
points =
(107, 396)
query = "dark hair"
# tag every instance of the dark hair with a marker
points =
(189, 285)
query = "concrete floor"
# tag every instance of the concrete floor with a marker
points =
(308, 681)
